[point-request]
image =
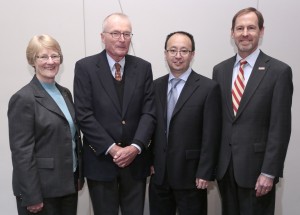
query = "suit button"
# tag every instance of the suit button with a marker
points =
(123, 122)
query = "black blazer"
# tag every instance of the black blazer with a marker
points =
(41, 144)
(102, 119)
(194, 134)
(258, 137)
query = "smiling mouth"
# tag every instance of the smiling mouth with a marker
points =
(50, 68)
(178, 63)
(245, 41)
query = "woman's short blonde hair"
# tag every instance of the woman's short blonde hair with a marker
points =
(39, 42)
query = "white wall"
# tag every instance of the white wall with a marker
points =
(77, 24)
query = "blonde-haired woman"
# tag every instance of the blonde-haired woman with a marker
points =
(44, 139)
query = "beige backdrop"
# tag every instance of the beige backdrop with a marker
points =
(76, 25)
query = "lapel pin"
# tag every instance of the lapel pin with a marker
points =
(261, 68)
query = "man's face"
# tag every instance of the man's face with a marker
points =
(179, 54)
(117, 48)
(246, 33)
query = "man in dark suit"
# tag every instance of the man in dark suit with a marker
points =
(185, 143)
(256, 121)
(115, 108)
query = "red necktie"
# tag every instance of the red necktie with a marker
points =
(118, 76)
(238, 87)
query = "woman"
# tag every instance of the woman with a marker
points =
(44, 140)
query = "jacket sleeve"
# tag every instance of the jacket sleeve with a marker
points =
(280, 124)
(212, 123)
(21, 116)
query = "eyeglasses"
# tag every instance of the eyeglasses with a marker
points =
(173, 52)
(45, 58)
(117, 35)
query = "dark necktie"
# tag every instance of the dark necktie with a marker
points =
(238, 88)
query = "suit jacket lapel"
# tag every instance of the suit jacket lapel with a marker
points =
(43, 98)
(257, 74)
(130, 82)
(162, 87)
(188, 89)
(104, 74)
(228, 70)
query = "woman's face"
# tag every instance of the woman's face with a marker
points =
(47, 65)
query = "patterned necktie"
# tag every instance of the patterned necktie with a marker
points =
(238, 87)
(118, 76)
(172, 99)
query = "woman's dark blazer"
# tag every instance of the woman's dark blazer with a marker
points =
(41, 144)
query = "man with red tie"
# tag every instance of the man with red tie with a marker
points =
(256, 101)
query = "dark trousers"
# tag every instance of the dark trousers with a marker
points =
(65, 205)
(124, 192)
(164, 200)
(237, 200)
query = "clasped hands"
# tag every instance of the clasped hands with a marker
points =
(123, 156)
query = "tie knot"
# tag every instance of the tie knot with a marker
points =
(243, 62)
(174, 82)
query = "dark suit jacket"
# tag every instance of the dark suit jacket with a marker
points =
(102, 119)
(41, 144)
(194, 134)
(258, 137)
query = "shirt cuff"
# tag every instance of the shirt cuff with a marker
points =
(136, 146)
(267, 175)
(107, 151)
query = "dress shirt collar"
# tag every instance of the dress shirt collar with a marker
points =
(184, 76)
(112, 62)
(251, 59)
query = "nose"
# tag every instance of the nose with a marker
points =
(245, 32)
(122, 37)
(50, 60)
(178, 54)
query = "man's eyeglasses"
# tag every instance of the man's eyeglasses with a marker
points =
(45, 58)
(173, 52)
(117, 35)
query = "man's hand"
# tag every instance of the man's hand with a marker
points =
(201, 183)
(152, 171)
(113, 150)
(124, 156)
(263, 185)
(35, 208)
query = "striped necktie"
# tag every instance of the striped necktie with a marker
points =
(238, 88)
